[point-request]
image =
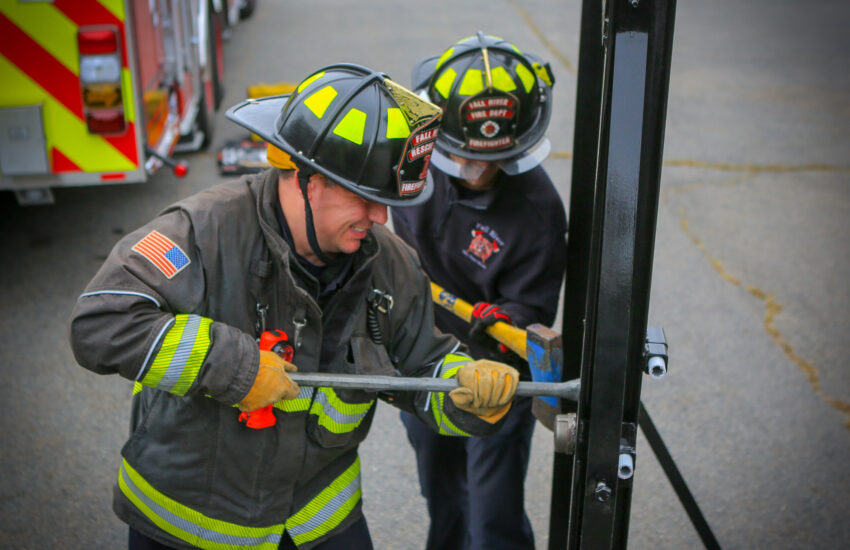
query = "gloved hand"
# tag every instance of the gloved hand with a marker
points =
(485, 314)
(487, 389)
(271, 384)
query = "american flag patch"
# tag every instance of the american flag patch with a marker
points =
(163, 253)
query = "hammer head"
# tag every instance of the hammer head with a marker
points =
(545, 353)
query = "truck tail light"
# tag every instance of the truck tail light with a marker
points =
(100, 79)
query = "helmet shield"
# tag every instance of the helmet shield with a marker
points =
(496, 100)
(356, 127)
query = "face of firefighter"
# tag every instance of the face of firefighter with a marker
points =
(478, 175)
(341, 218)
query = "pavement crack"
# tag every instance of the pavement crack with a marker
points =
(542, 37)
(772, 309)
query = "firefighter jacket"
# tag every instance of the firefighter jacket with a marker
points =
(177, 307)
(505, 246)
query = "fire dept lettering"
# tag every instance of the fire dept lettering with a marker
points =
(489, 113)
(409, 187)
(419, 150)
(488, 102)
(490, 143)
(427, 135)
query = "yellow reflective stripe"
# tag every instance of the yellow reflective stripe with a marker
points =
(444, 423)
(472, 83)
(299, 404)
(502, 80)
(396, 124)
(446, 54)
(115, 6)
(179, 360)
(328, 508)
(526, 76)
(310, 80)
(62, 128)
(352, 126)
(448, 369)
(137, 387)
(190, 525)
(48, 26)
(542, 73)
(445, 82)
(127, 95)
(319, 101)
(517, 50)
(335, 415)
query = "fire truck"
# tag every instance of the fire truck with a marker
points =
(105, 91)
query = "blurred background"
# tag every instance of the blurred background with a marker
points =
(751, 276)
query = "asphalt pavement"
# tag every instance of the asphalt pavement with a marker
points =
(750, 278)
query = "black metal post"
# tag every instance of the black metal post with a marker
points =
(610, 257)
(583, 187)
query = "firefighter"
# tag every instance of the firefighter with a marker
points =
(493, 233)
(179, 304)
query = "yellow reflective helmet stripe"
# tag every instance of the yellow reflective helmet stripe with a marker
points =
(49, 27)
(445, 82)
(472, 82)
(319, 101)
(328, 508)
(526, 76)
(502, 80)
(397, 126)
(310, 81)
(181, 355)
(352, 126)
(190, 525)
(446, 54)
(542, 73)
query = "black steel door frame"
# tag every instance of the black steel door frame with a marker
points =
(621, 102)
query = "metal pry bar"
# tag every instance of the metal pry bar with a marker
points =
(565, 390)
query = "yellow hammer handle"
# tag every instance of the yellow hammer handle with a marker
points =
(513, 337)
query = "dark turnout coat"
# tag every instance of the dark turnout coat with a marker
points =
(177, 308)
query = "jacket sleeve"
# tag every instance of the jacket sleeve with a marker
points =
(419, 349)
(142, 317)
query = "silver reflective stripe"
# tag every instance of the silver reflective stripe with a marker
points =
(336, 415)
(120, 292)
(181, 355)
(191, 527)
(153, 347)
(329, 509)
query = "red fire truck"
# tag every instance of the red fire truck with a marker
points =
(104, 91)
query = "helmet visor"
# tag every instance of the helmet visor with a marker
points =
(470, 169)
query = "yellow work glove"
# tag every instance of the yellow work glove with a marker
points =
(271, 384)
(487, 389)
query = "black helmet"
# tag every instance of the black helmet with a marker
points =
(356, 127)
(496, 102)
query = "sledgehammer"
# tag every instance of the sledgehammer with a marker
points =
(541, 346)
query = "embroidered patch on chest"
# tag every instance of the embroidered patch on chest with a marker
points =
(163, 253)
(484, 244)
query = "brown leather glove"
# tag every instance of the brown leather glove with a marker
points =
(271, 384)
(487, 389)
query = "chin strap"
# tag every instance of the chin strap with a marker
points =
(304, 174)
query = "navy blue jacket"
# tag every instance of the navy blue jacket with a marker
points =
(505, 246)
